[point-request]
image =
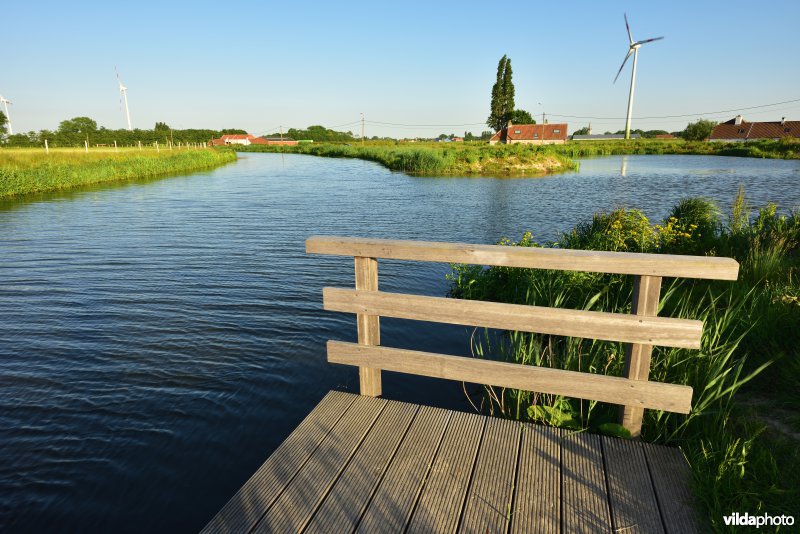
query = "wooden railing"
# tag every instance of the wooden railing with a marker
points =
(641, 329)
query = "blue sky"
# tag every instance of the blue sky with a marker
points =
(259, 65)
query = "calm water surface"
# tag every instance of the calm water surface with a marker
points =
(158, 340)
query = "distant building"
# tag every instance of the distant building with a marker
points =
(531, 134)
(248, 139)
(665, 136)
(739, 130)
(602, 137)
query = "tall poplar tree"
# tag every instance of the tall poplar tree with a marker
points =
(508, 94)
(502, 104)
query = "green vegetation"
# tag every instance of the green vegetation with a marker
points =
(318, 134)
(520, 116)
(741, 438)
(440, 158)
(502, 103)
(698, 131)
(79, 130)
(784, 149)
(24, 171)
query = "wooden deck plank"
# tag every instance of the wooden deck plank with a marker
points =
(585, 498)
(294, 508)
(537, 499)
(247, 506)
(671, 480)
(488, 504)
(377, 465)
(346, 501)
(633, 502)
(392, 504)
(440, 504)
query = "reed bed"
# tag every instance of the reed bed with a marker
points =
(742, 457)
(24, 171)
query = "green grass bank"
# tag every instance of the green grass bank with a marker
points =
(440, 158)
(24, 171)
(783, 149)
(742, 438)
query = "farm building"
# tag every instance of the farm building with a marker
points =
(531, 134)
(248, 139)
(738, 129)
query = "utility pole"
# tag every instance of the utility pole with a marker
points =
(280, 129)
(362, 129)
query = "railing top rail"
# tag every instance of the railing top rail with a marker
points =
(663, 265)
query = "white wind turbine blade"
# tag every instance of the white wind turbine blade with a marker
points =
(627, 27)
(650, 40)
(630, 51)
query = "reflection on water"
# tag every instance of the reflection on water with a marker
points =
(161, 338)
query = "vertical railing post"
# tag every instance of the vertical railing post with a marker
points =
(369, 329)
(646, 294)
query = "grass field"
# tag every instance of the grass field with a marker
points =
(742, 438)
(24, 171)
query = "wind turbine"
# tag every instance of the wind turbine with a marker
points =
(8, 117)
(123, 92)
(634, 49)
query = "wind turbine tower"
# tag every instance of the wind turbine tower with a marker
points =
(634, 49)
(8, 117)
(123, 95)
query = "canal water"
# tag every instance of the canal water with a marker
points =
(159, 339)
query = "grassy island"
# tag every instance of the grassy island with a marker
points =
(24, 171)
(440, 158)
(479, 158)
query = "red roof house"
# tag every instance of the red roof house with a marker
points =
(531, 134)
(248, 139)
(738, 129)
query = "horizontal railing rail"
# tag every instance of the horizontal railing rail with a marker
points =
(706, 267)
(640, 330)
(556, 321)
(612, 389)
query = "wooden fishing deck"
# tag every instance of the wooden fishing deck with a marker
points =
(366, 464)
(370, 465)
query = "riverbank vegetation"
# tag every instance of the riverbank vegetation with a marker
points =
(24, 171)
(742, 438)
(783, 149)
(439, 158)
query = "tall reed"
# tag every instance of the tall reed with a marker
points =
(750, 329)
(24, 171)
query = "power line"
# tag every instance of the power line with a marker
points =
(659, 117)
(678, 116)
(425, 125)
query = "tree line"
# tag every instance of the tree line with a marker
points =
(316, 133)
(79, 130)
(694, 131)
